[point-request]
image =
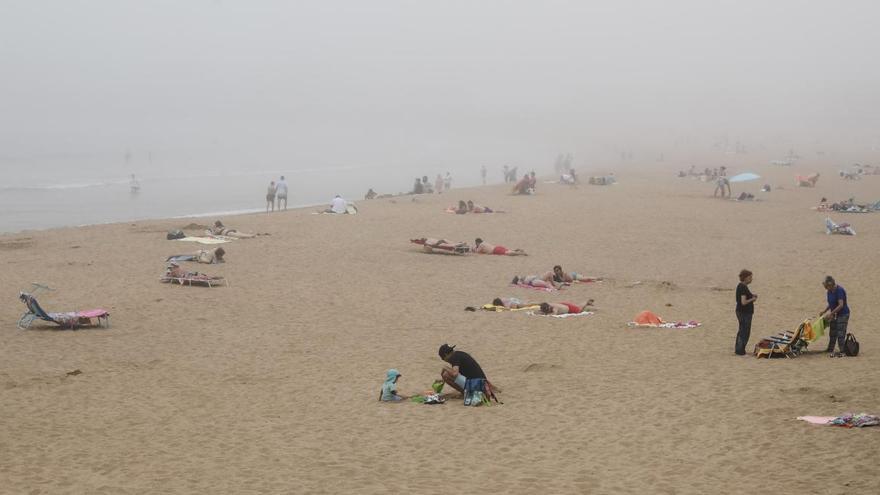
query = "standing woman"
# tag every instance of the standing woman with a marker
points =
(745, 308)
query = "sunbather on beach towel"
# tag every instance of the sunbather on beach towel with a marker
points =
(486, 248)
(564, 308)
(220, 229)
(512, 303)
(559, 276)
(474, 208)
(535, 281)
(208, 256)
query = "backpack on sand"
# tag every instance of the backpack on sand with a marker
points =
(851, 345)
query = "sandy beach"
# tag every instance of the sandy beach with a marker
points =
(270, 385)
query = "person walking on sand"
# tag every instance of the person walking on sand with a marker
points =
(837, 313)
(745, 308)
(281, 192)
(270, 196)
(483, 174)
(438, 184)
(447, 181)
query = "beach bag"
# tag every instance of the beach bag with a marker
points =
(175, 234)
(851, 345)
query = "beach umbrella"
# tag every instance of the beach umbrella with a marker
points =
(744, 177)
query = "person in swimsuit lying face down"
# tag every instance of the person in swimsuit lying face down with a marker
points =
(486, 248)
(511, 303)
(564, 308)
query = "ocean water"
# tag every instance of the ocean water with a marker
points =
(84, 197)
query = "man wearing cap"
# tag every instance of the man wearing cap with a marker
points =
(461, 367)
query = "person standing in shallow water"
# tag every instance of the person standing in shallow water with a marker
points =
(745, 308)
(270, 196)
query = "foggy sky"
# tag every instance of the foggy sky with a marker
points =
(415, 82)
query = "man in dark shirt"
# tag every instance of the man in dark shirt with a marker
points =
(461, 367)
(837, 312)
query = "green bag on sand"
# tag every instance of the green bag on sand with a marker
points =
(418, 398)
(438, 386)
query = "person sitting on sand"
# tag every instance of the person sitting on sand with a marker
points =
(563, 308)
(481, 247)
(389, 388)
(220, 229)
(535, 281)
(417, 187)
(511, 303)
(522, 187)
(559, 276)
(370, 194)
(473, 208)
(461, 367)
(339, 206)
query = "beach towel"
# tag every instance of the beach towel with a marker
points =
(814, 330)
(567, 315)
(527, 286)
(846, 420)
(647, 319)
(207, 240)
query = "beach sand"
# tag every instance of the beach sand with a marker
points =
(270, 385)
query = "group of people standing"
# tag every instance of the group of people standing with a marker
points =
(424, 186)
(836, 313)
(277, 191)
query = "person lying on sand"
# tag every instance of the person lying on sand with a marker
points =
(462, 208)
(220, 229)
(536, 281)
(486, 248)
(559, 276)
(563, 308)
(474, 208)
(511, 303)
(429, 244)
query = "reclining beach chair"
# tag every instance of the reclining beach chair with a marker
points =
(840, 229)
(174, 274)
(442, 247)
(71, 320)
(788, 343)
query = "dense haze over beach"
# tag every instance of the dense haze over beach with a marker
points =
(412, 87)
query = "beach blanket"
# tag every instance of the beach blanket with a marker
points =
(647, 319)
(527, 286)
(567, 315)
(846, 420)
(207, 240)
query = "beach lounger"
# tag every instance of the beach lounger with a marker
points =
(787, 343)
(71, 320)
(839, 229)
(195, 279)
(442, 248)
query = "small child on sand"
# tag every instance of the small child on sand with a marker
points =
(389, 388)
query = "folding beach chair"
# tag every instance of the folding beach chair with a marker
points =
(71, 320)
(788, 343)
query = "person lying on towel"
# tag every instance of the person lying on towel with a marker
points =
(207, 256)
(512, 303)
(443, 244)
(559, 276)
(220, 229)
(486, 248)
(564, 308)
(474, 208)
(536, 281)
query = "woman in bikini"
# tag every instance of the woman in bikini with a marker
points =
(486, 248)
(564, 308)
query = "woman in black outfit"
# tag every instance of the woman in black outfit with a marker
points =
(745, 308)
